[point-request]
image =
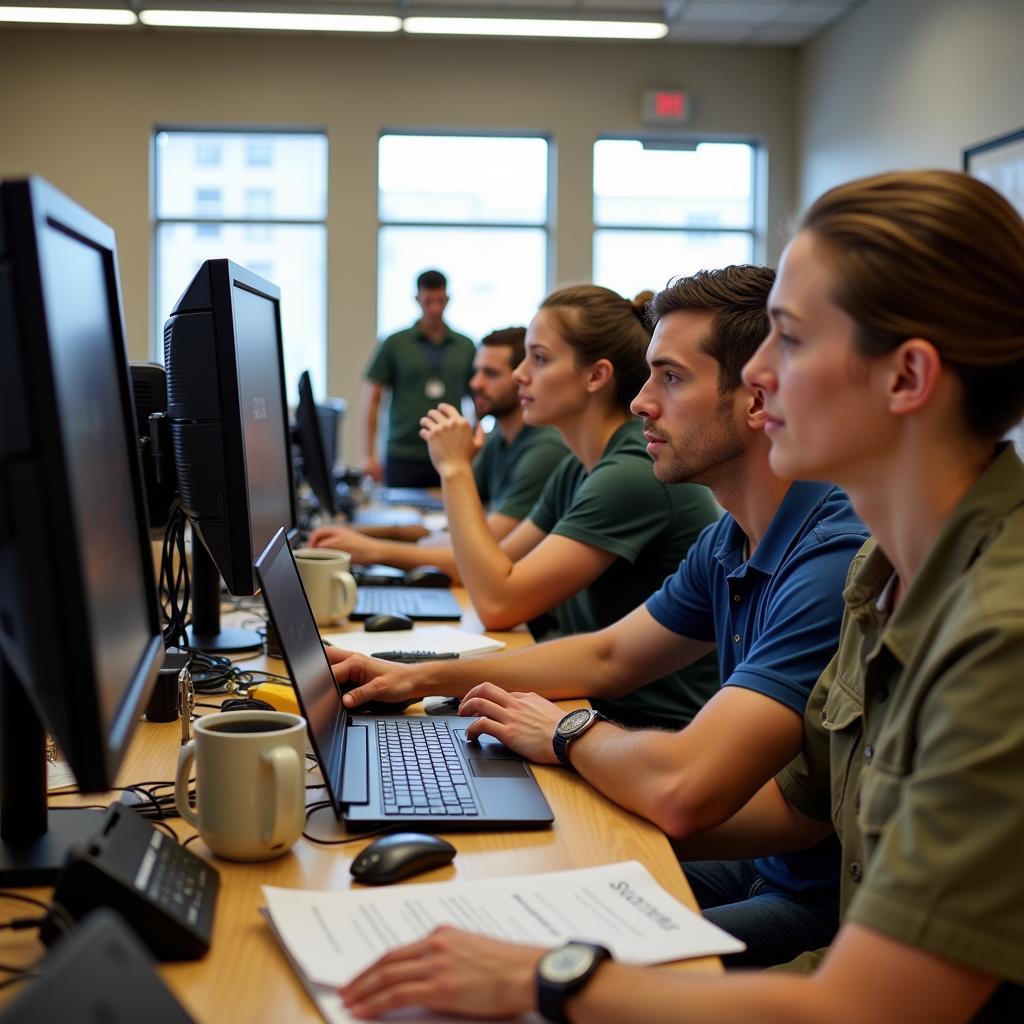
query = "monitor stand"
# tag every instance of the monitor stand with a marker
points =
(205, 634)
(34, 842)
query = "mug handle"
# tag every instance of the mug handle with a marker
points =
(186, 758)
(286, 767)
(347, 584)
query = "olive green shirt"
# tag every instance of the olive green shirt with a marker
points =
(404, 363)
(510, 477)
(914, 742)
(621, 507)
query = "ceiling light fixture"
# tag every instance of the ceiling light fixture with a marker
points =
(557, 28)
(278, 21)
(68, 15)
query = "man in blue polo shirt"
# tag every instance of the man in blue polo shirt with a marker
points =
(763, 586)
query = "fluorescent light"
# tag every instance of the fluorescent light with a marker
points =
(536, 27)
(273, 20)
(68, 15)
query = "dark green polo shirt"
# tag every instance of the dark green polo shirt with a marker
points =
(510, 477)
(404, 363)
(914, 743)
(621, 507)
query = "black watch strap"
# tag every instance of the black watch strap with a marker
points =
(560, 741)
(552, 993)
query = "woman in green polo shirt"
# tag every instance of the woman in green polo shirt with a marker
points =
(605, 532)
(894, 365)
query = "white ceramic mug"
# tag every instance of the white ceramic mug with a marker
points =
(327, 579)
(250, 782)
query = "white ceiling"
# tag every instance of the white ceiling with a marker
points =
(731, 22)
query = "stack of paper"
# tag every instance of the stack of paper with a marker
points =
(330, 937)
(441, 639)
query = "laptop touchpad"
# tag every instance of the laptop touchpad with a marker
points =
(489, 759)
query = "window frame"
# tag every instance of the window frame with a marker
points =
(757, 231)
(157, 316)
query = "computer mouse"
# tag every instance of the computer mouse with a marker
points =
(386, 622)
(392, 858)
(427, 576)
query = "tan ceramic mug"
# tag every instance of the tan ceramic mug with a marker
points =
(250, 782)
(327, 579)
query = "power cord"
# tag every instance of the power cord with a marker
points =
(319, 805)
(175, 582)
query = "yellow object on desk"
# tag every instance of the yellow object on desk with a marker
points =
(280, 695)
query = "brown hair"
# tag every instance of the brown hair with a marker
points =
(935, 255)
(509, 337)
(600, 324)
(737, 298)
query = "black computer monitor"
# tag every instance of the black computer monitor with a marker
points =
(331, 414)
(229, 428)
(80, 634)
(317, 467)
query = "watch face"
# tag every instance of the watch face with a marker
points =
(574, 721)
(567, 963)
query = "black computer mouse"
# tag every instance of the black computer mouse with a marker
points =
(392, 858)
(386, 622)
(427, 576)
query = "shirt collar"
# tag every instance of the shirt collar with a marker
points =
(997, 491)
(420, 336)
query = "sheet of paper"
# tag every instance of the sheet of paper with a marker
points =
(445, 639)
(331, 936)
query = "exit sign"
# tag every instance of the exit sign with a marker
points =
(666, 106)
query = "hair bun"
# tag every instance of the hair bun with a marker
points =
(639, 304)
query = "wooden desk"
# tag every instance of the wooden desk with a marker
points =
(245, 977)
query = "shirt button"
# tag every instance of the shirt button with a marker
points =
(855, 871)
(736, 598)
(824, 715)
(869, 754)
(736, 639)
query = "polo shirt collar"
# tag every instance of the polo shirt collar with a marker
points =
(801, 502)
(988, 501)
(449, 334)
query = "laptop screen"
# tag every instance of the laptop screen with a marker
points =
(318, 694)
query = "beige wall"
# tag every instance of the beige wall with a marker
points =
(908, 83)
(79, 106)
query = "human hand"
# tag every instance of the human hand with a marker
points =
(450, 439)
(525, 722)
(371, 466)
(371, 678)
(358, 545)
(450, 971)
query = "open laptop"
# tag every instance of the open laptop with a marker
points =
(400, 770)
(415, 602)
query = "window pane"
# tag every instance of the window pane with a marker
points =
(291, 256)
(293, 172)
(496, 276)
(632, 261)
(430, 178)
(709, 187)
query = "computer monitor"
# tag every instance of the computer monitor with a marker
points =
(331, 414)
(316, 468)
(80, 634)
(229, 429)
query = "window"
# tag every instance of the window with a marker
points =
(268, 214)
(661, 211)
(207, 154)
(473, 207)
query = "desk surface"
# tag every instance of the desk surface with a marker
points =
(245, 977)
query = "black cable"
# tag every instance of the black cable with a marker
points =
(25, 975)
(60, 916)
(319, 805)
(175, 582)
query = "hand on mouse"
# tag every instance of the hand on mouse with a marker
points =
(450, 971)
(451, 441)
(363, 549)
(373, 678)
(525, 722)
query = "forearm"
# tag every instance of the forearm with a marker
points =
(409, 556)
(372, 405)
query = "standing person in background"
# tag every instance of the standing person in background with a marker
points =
(419, 367)
(510, 469)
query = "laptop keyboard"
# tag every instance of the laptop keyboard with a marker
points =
(421, 772)
(410, 601)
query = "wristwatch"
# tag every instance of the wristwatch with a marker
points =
(572, 725)
(564, 971)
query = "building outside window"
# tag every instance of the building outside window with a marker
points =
(268, 214)
(475, 207)
(663, 209)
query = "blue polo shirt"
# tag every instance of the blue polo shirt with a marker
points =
(775, 619)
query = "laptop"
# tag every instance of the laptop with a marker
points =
(384, 770)
(415, 602)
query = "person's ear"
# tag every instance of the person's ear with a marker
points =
(599, 374)
(914, 372)
(751, 404)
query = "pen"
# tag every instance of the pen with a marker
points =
(413, 656)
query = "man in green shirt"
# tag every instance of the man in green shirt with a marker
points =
(510, 470)
(421, 366)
